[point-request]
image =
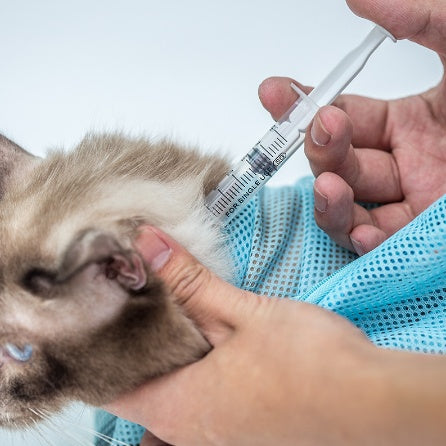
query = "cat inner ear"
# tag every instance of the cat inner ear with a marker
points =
(11, 157)
(103, 249)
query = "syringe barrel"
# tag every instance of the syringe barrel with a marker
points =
(250, 174)
(235, 190)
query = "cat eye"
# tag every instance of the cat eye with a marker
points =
(38, 281)
(19, 354)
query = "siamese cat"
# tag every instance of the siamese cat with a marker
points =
(82, 317)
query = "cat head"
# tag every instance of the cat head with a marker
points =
(82, 317)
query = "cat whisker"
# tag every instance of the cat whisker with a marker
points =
(47, 416)
(38, 427)
(101, 436)
(7, 415)
(28, 429)
(41, 434)
(77, 440)
(50, 425)
(35, 412)
(70, 437)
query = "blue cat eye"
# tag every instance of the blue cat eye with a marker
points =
(22, 355)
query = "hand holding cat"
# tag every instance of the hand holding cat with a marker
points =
(279, 370)
(269, 361)
(389, 152)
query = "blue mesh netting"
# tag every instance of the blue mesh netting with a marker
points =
(396, 294)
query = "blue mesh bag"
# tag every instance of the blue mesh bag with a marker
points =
(396, 293)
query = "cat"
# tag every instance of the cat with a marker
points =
(82, 317)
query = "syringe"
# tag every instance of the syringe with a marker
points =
(287, 134)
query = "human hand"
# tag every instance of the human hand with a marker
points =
(389, 152)
(279, 369)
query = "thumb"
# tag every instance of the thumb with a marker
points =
(419, 21)
(216, 306)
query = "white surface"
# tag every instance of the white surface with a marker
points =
(189, 70)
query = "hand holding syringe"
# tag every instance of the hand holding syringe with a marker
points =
(287, 134)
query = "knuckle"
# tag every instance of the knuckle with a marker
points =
(188, 280)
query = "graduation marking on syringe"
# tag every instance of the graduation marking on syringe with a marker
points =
(266, 150)
(237, 180)
(284, 139)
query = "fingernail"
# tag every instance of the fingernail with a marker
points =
(320, 201)
(319, 133)
(155, 251)
(358, 246)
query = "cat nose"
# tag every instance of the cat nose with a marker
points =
(23, 354)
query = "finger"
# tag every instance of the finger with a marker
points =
(420, 21)
(335, 211)
(215, 305)
(277, 96)
(327, 144)
(392, 217)
(365, 238)
(372, 174)
(387, 220)
(349, 224)
(368, 116)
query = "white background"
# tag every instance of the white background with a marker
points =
(188, 70)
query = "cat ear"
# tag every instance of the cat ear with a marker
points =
(11, 156)
(103, 249)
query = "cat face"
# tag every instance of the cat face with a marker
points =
(81, 316)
